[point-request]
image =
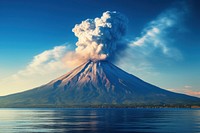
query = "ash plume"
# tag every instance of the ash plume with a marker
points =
(99, 38)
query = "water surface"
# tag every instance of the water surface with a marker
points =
(100, 120)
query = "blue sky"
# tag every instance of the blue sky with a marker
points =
(34, 29)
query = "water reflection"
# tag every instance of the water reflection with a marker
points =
(99, 120)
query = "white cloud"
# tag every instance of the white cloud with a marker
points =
(187, 86)
(155, 46)
(156, 34)
(49, 60)
(192, 93)
(187, 89)
(43, 68)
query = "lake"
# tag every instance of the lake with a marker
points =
(55, 120)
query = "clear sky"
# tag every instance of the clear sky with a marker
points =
(163, 35)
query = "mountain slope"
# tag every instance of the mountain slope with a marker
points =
(96, 83)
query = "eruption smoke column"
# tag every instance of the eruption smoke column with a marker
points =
(98, 38)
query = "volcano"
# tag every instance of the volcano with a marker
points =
(97, 83)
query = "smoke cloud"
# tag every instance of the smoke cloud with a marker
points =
(99, 38)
